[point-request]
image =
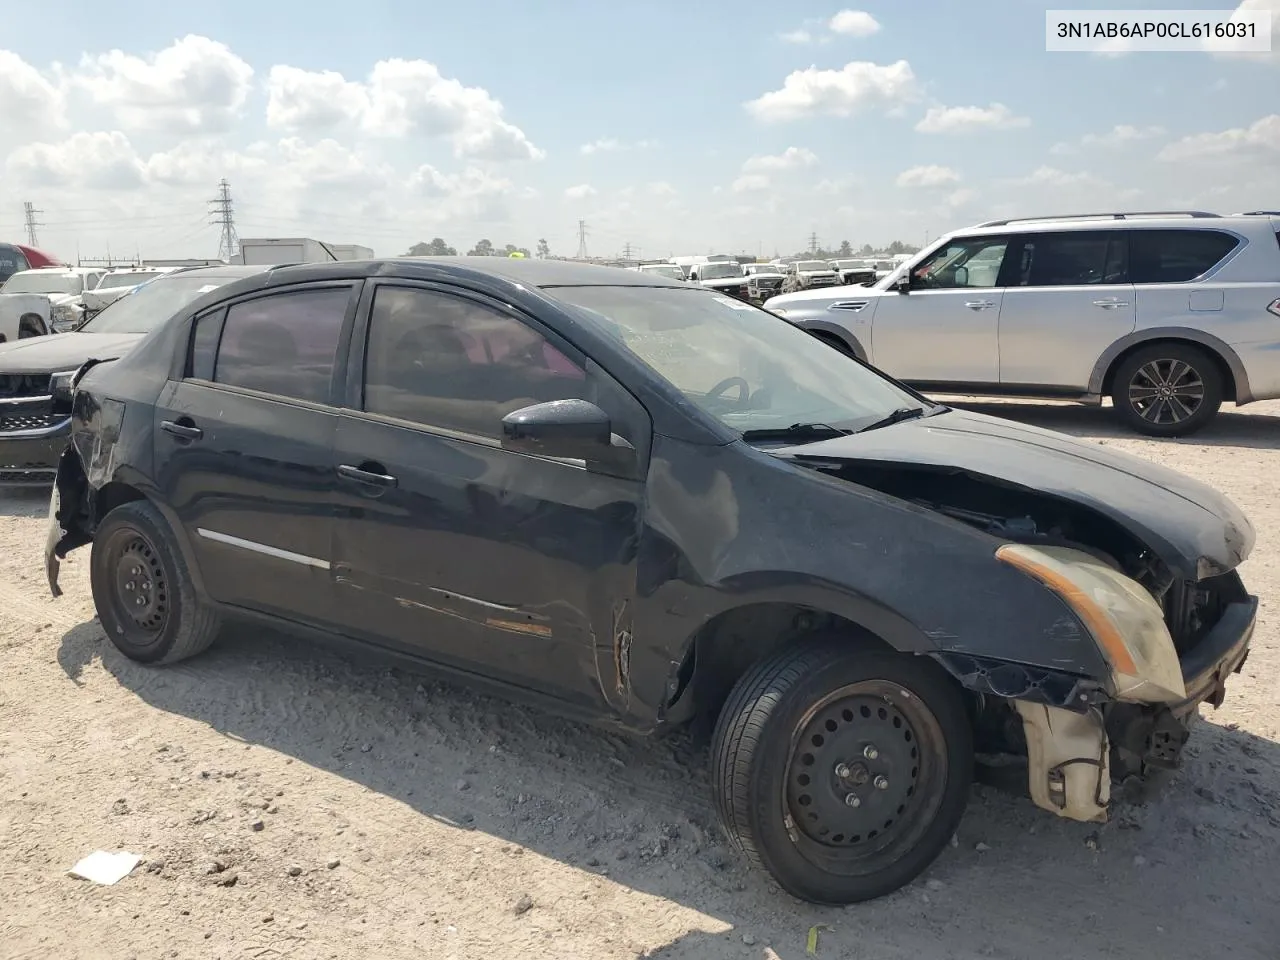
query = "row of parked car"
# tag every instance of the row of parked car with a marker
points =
(58, 298)
(758, 282)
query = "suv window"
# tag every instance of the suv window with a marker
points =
(443, 361)
(1176, 256)
(11, 261)
(283, 344)
(1073, 259)
(963, 262)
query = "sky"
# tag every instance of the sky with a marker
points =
(669, 128)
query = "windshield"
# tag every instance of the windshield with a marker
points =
(113, 281)
(151, 304)
(42, 281)
(718, 271)
(746, 367)
(664, 270)
(807, 266)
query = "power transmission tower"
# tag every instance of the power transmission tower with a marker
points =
(813, 243)
(626, 250)
(28, 208)
(224, 217)
(582, 240)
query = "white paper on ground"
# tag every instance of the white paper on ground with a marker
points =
(106, 868)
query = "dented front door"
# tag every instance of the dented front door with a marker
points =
(517, 567)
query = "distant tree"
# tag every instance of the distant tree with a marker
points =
(866, 250)
(482, 249)
(544, 249)
(511, 248)
(897, 247)
(846, 249)
(436, 248)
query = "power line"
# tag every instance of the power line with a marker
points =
(31, 222)
(224, 217)
(582, 240)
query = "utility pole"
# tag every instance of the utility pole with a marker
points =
(224, 217)
(626, 250)
(813, 243)
(30, 211)
(582, 240)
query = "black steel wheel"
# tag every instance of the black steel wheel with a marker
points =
(142, 591)
(843, 772)
(1167, 390)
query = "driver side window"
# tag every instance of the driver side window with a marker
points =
(964, 263)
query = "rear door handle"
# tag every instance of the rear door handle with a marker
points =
(183, 431)
(979, 304)
(368, 474)
(1110, 304)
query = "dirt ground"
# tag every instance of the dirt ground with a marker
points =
(294, 803)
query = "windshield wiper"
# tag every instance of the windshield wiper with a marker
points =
(902, 413)
(802, 432)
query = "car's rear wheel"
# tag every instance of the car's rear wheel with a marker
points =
(142, 590)
(1167, 390)
(843, 772)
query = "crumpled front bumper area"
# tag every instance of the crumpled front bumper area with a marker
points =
(1073, 756)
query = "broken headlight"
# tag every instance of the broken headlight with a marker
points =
(1122, 617)
(61, 388)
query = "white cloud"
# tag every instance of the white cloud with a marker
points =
(750, 182)
(195, 85)
(612, 145)
(27, 99)
(400, 98)
(1118, 136)
(840, 93)
(930, 175)
(472, 194)
(796, 36)
(962, 197)
(854, 23)
(1217, 47)
(1053, 177)
(1261, 138)
(580, 192)
(790, 159)
(968, 119)
(661, 188)
(92, 161)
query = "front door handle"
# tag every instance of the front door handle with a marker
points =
(1110, 303)
(183, 429)
(979, 304)
(369, 474)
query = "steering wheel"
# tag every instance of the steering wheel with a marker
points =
(744, 388)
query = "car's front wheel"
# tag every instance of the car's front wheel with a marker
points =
(1167, 390)
(143, 593)
(843, 772)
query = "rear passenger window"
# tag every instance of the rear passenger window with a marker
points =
(1078, 258)
(283, 344)
(1175, 256)
(447, 362)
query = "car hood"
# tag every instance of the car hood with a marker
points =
(53, 298)
(821, 296)
(1194, 529)
(63, 351)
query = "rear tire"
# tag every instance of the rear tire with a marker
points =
(1167, 389)
(142, 590)
(809, 729)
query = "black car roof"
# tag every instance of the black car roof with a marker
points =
(526, 271)
(235, 270)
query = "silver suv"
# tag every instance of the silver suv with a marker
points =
(1167, 313)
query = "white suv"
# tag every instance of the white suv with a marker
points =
(1169, 314)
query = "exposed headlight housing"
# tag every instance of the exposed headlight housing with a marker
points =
(61, 388)
(65, 316)
(1122, 617)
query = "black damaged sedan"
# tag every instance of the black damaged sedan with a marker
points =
(648, 504)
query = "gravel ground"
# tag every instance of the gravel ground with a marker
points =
(297, 804)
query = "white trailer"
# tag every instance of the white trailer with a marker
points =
(270, 250)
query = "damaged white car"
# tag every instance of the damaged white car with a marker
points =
(45, 300)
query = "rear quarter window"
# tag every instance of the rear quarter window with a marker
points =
(1176, 256)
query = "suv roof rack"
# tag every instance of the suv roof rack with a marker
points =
(1259, 213)
(1198, 214)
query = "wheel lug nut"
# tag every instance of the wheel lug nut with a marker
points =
(881, 782)
(129, 585)
(870, 752)
(140, 601)
(843, 771)
(851, 800)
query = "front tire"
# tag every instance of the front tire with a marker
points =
(1167, 390)
(842, 772)
(141, 588)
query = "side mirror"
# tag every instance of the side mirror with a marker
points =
(572, 429)
(903, 283)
